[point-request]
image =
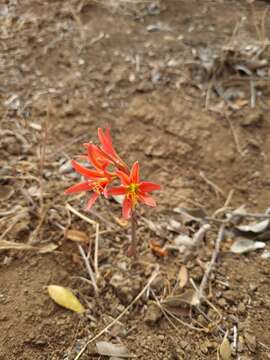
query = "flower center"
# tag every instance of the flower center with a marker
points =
(133, 193)
(98, 185)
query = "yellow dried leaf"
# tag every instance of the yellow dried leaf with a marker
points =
(183, 276)
(64, 297)
(225, 349)
(77, 235)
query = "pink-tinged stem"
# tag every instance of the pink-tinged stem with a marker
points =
(132, 251)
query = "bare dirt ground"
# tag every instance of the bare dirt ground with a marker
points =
(189, 111)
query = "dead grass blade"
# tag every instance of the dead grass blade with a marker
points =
(11, 245)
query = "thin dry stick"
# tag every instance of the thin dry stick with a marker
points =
(83, 217)
(235, 137)
(119, 316)
(206, 300)
(255, 21)
(79, 23)
(34, 236)
(212, 262)
(263, 31)
(216, 250)
(229, 198)
(43, 152)
(252, 94)
(166, 313)
(88, 267)
(96, 251)
(254, 216)
(133, 246)
(14, 221)
(192, 202)
(213, 185)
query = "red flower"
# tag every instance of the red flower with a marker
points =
(134, 190)
(97, 182)
(97, 157)
(108, 150)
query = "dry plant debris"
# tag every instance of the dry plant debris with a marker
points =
(63, 69)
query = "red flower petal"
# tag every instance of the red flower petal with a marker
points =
(84, 171)
(91, 201)
(121, 190)
(106, 142)
(95, 157)
(78, 188)
(148, 200)
(147, 186)
(127, 207)
(123, 177)
(135, 173)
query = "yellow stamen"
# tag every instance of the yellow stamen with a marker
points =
(133, 193)
(98, 185)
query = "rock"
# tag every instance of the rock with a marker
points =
(125, 289)
(241, 309)
(153, 315)
(240, 344)
(158, 284)
(230, 296)
(197, 273)
(145, 86)
(222, 302)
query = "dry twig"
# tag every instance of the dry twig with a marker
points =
(216, 188)
(212, 262)
(89, 269)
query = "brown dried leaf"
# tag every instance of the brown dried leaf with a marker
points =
(189, 297)
(157, 249)
(77, 235)
(190, 215)
(183, 276)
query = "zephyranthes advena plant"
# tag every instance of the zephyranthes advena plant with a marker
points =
(110, 175)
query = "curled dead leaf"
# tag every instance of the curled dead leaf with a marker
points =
(255, 228)
(189, 297)
(243, 245)
(65, 297)
(77, 236)
(157, 249)
(107, 348)
(190, 215)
